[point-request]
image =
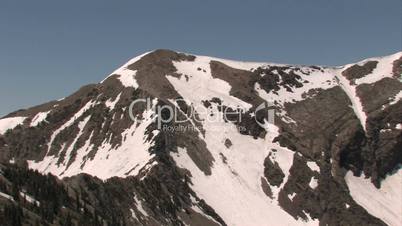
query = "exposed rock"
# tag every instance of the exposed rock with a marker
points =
(356, 71)
(228, 143)
(273, 172)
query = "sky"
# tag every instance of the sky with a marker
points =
(48, 49)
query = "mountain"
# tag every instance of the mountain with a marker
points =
(177, 139)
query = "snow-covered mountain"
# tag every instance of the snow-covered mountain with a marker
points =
(327, 150)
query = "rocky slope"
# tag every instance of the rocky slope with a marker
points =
(326, 151)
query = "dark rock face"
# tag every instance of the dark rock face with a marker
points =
(333, 198)
(329, 201)
(152, 70)
(382, 153)
(356, 71)
(228, 143)
(385, 142)
(312, 135)
(304, 197)
(273, 172)
(351, 156)
(169, 141)
(245, 122)
(275, 77)
(266, 188)
(374, 96)
(324, 130)
(241, 81)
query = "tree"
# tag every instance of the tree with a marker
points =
(16, 192)
(13, 215)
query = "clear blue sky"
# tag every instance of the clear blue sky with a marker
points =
(48, 48)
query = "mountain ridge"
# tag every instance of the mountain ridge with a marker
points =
(221, 59)
(329, 129)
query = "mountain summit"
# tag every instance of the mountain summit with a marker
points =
(196, 140)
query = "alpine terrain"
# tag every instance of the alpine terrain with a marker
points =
(177, 139)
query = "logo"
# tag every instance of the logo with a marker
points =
(270, 113)
(172, 117)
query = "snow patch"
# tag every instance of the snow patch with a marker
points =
(397, 98)
(384, 203)
(291, 196)
(313, 166)
(38, 118)
(133, 215)
(29, 198)
(202, 83)
(140, 206)
(242, 65)
(111, 103)
(383, 69)
(127, 76)
(10, 123)
(313, 183)
(80, 158)
(385, 130)
(4, 195)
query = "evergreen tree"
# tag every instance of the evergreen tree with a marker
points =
(16, 192)
(13, 215)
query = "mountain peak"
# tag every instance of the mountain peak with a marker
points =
(255, 139)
